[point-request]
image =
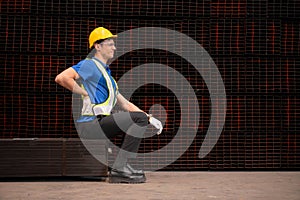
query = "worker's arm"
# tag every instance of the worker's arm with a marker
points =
(127, 105)
(67, 80)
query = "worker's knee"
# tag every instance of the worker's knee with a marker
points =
(139, 118)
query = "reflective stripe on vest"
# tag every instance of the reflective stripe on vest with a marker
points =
(105, 107)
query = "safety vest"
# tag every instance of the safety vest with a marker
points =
(106, 107)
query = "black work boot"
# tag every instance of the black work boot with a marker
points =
(135, 171)
(125, 175)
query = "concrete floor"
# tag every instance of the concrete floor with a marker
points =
(160, 186)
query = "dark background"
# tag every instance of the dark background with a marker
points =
(254, 43)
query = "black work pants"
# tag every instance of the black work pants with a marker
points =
(131, 125)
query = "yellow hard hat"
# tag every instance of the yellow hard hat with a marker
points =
(100, 33)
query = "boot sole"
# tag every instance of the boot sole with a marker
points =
(116, 179)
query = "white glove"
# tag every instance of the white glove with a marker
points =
(86, 106)
(156, 123)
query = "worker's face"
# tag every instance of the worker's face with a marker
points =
(107, 48)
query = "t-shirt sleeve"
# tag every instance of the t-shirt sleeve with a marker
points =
(83, 69)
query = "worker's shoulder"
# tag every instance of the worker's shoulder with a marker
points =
(86, 61)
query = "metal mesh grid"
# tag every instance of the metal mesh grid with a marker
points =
(255, 45)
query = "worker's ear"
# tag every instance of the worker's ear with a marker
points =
(98, 46)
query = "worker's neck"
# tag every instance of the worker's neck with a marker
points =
(103, 60)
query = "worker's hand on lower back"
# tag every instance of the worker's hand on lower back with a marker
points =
(156, 123)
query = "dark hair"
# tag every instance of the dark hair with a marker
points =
(99, 41)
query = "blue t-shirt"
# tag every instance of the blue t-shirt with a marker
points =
(93, 82)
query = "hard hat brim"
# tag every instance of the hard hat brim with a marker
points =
(113, 36)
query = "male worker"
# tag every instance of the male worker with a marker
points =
(100, 94)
